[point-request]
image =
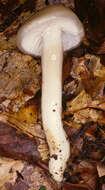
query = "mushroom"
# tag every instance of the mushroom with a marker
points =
(47, 34)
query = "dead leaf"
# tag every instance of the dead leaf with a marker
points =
(103, 187)
(16, 145)
(92, 14)
(83, 100)
(18, 175)
(26, 120)
(101, 169)
(22, 80)
(69, 186)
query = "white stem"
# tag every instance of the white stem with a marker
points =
(52, 58)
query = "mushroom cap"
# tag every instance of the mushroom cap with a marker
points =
(30, 35)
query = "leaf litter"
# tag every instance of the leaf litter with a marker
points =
(83, 103)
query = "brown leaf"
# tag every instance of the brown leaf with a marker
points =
(103, 187)
(101, 49)
(32, 178)
(101, 169)
(19, 76)
(27, 120)
(13, 9)
(16, 145)
(81, 101)
(69, 186)
(91, 74)
(102, 57)
(94, 15)
(19, 174)
(81, 174)
(8, 168)
(66, 68)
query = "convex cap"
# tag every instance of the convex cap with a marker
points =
(30, 36)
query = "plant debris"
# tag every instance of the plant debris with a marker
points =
(24, 151)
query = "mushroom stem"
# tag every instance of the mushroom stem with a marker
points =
(52, 59)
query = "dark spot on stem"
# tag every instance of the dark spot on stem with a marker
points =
(54, 156)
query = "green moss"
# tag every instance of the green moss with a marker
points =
(42, 188)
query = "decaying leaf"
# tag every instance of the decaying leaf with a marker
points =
(81, 175)
(84, 119)
(16, 145)
(91, 75)
(21, 175)
(8, 168)
(70, 186)
(20, 80)
(93, 16)
(101, 169)
(26, 119)
(21, 127)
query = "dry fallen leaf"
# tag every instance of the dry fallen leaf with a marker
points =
(20, 79)
(101, 169)
(21, 175)
(83, 102)
(15, 144)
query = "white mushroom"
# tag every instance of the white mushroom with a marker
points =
(47, 34)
